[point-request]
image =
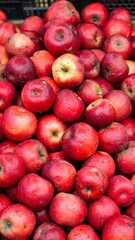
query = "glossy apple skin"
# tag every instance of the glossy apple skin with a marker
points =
(50, 130)
(89, 90)
(91, 35)
(33, 153)
(61, 38)
(121, 190)
(90, 62)
(64, 10)
(100, 113)
(114, 67)
(105, 85)
(49, 230)
(32, 23)
(116, 26)
(68, 70)
(128, 86)
(118, 43)
(121, 103)
(7, 94)
(83, 231)
(130, 210)
(67, 209)
(19, 70)
(95, 12)
(100, 210)
(19, 43)
(103, 161)
(91, 183)
(119, 227)
(113, 138)
(22, 220)
(44, 191)
(4, 56)
(79, 141)
(7, 29)
(12, 169)
(129, 124)
(121, 13)
(42, 61)
(60, 173)
(64, 108)
(18, 123)
(125, 159)
(37, 96)
(7, 145)
(4, 202)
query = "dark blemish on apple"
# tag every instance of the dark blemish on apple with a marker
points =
(97, 174)
(7, 224)
(129, 224)
(1, 168)
(40, 152)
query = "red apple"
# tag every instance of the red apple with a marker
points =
(56, 88)
(12, 169)
(34, 191)
(100, 211)
(119, 227)
(18, 123)
(58, 155)
(60, 38)
(128, 86)
(99, 53)
(7, 94)
(17, 222)
(4, 55)
(105, 85)
(7, 145)
(4, 202)
(90, 62)
(114, 67)
(82, 231)
(67, 209)
(113, 138)
(121, 103)
(121, 13)
(100, 113)
(37, 96)
(90, 183)
(130, 210)
(79, 141)
(42, 61)
(50, 130)
(60, 173)
(64, 108)
(129, 124)
(118, 43)
(89, 90)
(125, 159)
(7, 29)
(20, 43)
(121, 190)
(3, 16)
(91, 35)
(48, 231)
(95, 12)
(68, 70)
(32, 23)
(33, 153)
(116, 26)
(64, 10)
(19, 70)
(103, 161)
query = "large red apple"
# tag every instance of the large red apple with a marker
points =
(121, 13)
(79, 141)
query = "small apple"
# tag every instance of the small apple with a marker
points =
(95, 12)
(32, 23)
(121, 13)
(64, 108)
(7, 145)
(17, 221)
(68, 70)
(113, 138)
(67, 209)
(83, 231)
(90, 62)
(7, 29)
(33, 183)
(100, 113)
(130, 210)
(91, 35)
(79, 141)
(4, 202)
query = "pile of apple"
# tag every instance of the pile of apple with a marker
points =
(67, 125)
